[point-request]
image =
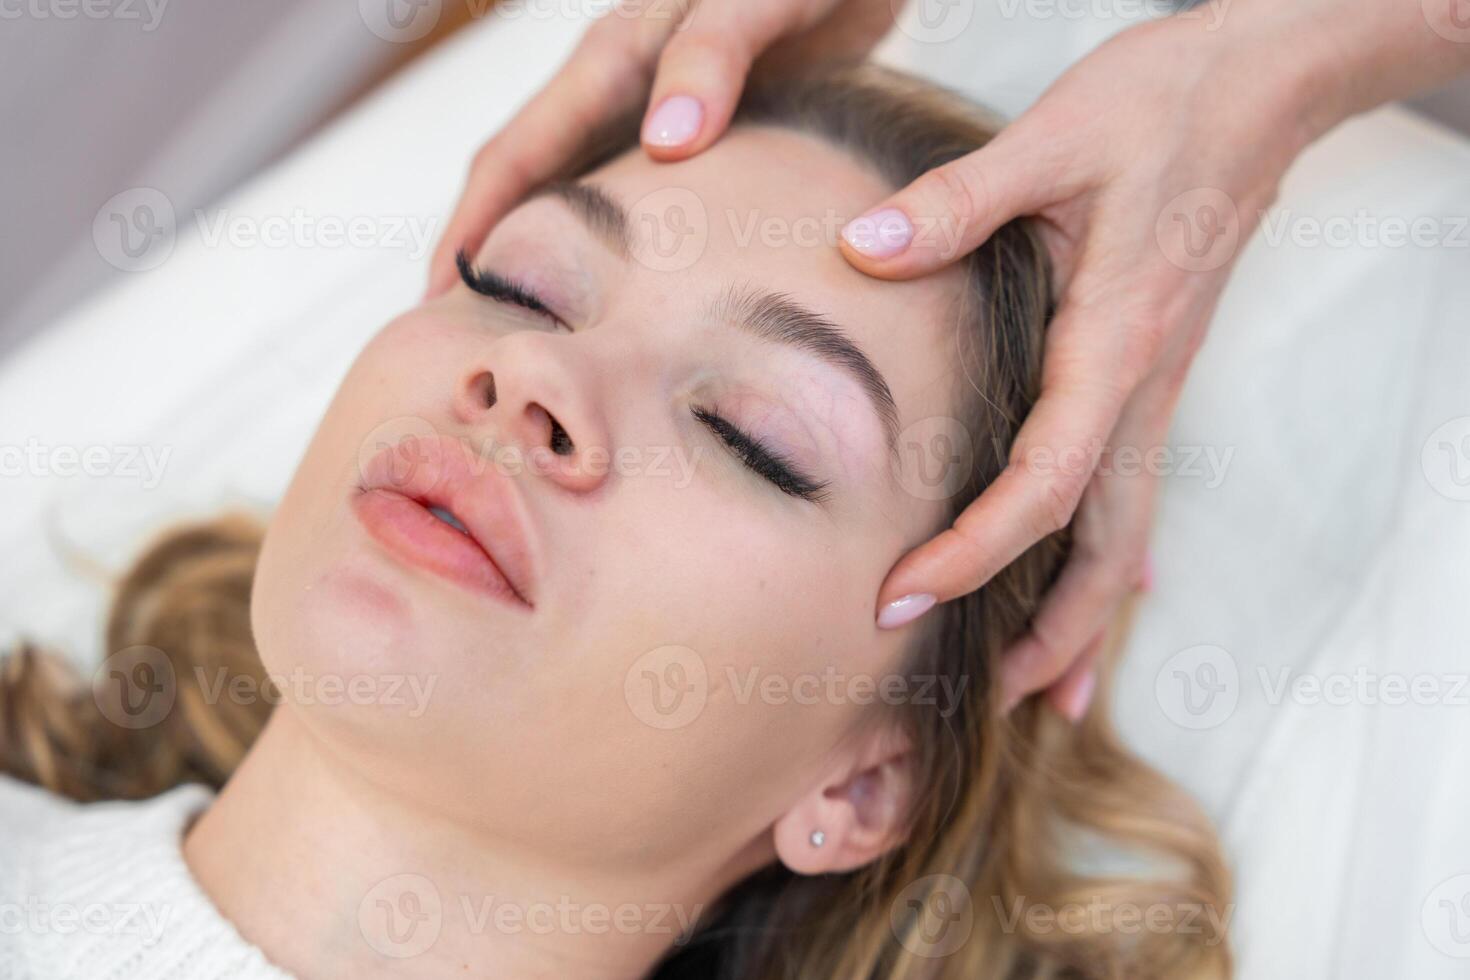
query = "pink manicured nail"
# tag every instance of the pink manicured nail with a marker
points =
(675, 122)
(1080, 697)
(879, 234)
(1146, 577)
(900, 612)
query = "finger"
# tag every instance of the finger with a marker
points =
(949, 211)
(1052, 461)
(703, 69)
(1110, 544)
(1079, 607)
(604, 76)
(1071, 696)
(846, 33)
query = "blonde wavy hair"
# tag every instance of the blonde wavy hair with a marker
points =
(1014, 815)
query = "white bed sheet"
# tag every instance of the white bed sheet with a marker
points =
(1336, 540)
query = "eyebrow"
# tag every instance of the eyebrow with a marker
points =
(603, 216)
(779, 318)
(770, 316)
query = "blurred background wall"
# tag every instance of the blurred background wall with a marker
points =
(192, 97)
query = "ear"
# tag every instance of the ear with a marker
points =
(858, 806)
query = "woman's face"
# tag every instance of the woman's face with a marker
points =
(677, 650)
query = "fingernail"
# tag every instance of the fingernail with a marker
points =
(675, 122)
(900, 612)
(1146, 576)
(1080, 697)
(879, 234)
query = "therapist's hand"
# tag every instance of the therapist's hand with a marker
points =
(1147, 165)
(695, 54)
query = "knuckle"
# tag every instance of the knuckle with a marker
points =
(962, 193)
(608, 62)
(485, 157)
(608, 32)
(1075, 370)
(650, 31)
(614, 50)
(770, 20)
(1148, 330)
(496, 168)
(1150, 334)
(518, 170)
(720, 55)
(1129, 372)
(1060, 497)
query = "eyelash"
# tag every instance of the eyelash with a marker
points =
(502, 290)
(766, 463)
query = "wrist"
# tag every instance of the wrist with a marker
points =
(1329, 61)
(1296, 67)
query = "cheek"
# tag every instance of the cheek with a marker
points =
(401, 384)
(407, 354)
(310, 605)
(695, 608)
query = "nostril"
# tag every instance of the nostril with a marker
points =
(561, 443)
(479, 394)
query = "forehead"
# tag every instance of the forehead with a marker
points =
(766, 206)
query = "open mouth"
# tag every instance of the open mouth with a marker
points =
(445, 516)
(450, 519)
(432, 538)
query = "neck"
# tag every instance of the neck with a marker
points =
(332, 875)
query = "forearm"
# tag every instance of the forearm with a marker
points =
(1342, 57)
(1402, 48)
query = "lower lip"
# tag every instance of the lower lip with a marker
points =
(409, 532)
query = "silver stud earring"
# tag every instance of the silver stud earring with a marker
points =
(818, 838)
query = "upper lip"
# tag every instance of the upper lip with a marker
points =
(442, 471)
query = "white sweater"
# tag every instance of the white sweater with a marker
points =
(101, 892)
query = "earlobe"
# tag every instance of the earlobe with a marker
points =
(853, 816)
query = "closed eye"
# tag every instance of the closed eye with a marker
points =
(503, 290)
(766, 463)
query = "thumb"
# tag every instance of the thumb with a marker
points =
(949, 211)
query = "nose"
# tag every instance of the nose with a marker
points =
(536, 399)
